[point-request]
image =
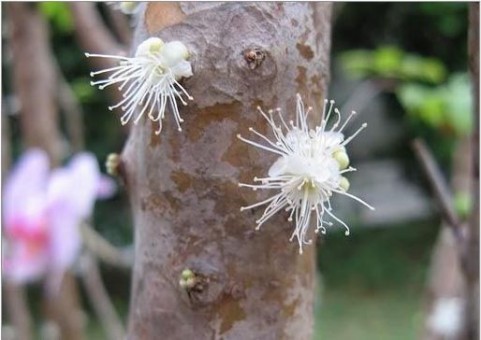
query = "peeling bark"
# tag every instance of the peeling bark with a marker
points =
(183, 185)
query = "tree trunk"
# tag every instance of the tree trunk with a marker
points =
(183, 185)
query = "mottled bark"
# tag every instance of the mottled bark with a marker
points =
(183, 185)
(35, 83)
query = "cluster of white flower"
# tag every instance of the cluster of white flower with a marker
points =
(149, 80)
(310, 168)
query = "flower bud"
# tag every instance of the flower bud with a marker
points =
(112, 163)
(174, 52)
(187, 273)
(128, 7)
(149, 46)
(190, 282)
(344, 183)
(342, 159)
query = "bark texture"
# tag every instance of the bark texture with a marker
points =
(183, 185)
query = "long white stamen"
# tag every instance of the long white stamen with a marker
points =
(147, 82)
(308, 174)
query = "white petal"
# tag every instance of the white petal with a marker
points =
(182, 69)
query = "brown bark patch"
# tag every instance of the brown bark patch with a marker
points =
(301, 80)
(305, 51)
(182, 180)
(217, 113)
(159, 15)
(230, 311)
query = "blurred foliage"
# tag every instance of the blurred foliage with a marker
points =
(392, 62)
(427, 29)
(446, 108)
(59, 15)
(421, 50)
(463, 204)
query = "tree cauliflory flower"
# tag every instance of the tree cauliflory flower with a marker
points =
(42, 212)
(149, 80)
(309, 170)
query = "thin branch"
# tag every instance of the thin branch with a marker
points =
(72, 111)
(120, 24)
(102, 249)
(99, 298)
(92, 34)
(439, 186)
(94, 37)
(17, 308)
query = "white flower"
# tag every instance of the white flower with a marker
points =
(149, 80)
(309, 169)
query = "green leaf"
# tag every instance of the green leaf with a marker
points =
(357, 63)
(387, 60)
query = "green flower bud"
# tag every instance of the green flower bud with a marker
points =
(344, 183)
(190, 282)
(187, 274)
(342, 158)
(112, 163)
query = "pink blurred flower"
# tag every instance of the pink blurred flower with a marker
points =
(42, 212)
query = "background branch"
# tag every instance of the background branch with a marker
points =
(93, 36)
(103, 250)
(99, 298)
(72, 112)
(120, 24)
(439, 186)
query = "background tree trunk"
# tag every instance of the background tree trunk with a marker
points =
(35, 83)
(448, 279)
(183, 185)
(473, 243)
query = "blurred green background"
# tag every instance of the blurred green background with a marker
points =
(403, 67)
